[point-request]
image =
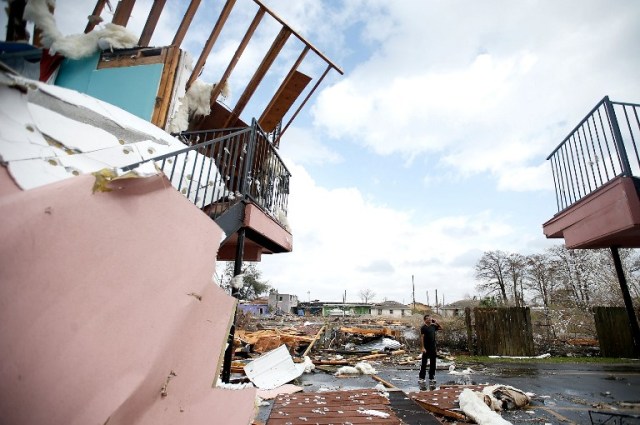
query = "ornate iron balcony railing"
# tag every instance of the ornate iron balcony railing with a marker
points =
(219, 168)
(603, 146)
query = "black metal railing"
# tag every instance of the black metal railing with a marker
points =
(602, 147)
(220, 168)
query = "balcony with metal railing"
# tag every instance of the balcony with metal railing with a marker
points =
(235, 176)
(596, 172)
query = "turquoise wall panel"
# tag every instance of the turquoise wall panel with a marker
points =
(132, 88)
(76, 74)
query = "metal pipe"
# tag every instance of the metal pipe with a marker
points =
(628, 303)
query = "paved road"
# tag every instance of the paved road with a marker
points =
(563, 393)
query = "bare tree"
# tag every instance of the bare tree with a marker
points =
(366, 295)
(252, 285)
(516, 270)
(491, 270)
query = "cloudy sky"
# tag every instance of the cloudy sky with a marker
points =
(431, 148)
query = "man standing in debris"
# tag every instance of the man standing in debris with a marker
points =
(428, 345)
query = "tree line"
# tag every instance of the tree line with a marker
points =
(558, 276)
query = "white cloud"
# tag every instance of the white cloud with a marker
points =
(340, 239)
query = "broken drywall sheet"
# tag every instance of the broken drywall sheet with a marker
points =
(273, 369)
(66, 131)
(41, 146)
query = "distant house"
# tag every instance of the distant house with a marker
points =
(285, 303)
(345, 309)
(457, 308)
(259, 307)
(390, 308)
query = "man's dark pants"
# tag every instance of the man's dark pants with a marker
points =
(431, 356)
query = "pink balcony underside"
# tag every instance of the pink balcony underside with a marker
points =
(607, 217)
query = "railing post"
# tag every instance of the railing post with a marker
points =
(617, 135)
(248, 159)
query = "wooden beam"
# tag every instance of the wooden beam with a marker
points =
(215, 32)
(267, 61)
(165, 89)
(236, 56)
(295, 114)
(151, 23)
(282, 86)
(186, 21)
(285, 97)
(123, 12)
(94, 17)
(311, 344)
(300, 37)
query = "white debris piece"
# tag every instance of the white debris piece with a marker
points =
(541, 356)
(237, 281)
(476, 409)
(372, 412)
(361, 368)
(228, 386)
(466, 371)
(307, 366)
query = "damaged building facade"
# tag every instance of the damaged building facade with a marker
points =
(124, 178)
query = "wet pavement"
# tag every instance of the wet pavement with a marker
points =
(563, 393)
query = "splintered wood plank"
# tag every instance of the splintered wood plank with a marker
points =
(283, 99)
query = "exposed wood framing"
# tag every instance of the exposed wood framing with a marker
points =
(266, 63)
(163, 100)
(215, 32)
(93, 18)
(300, 37)
(186, 21)
(274, 99)
(123, 12)
(236, 56)
(141, 57)
(152, 21)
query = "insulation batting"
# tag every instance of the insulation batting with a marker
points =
(76, 46)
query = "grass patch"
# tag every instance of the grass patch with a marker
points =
(548, 360)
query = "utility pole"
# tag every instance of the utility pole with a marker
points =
(414, 292)
(428, 305)
(436, 301)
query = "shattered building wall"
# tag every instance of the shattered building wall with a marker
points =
(108, 312)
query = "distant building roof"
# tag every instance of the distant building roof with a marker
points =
(392, 304)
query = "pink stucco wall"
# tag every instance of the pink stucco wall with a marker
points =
(99, 305)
